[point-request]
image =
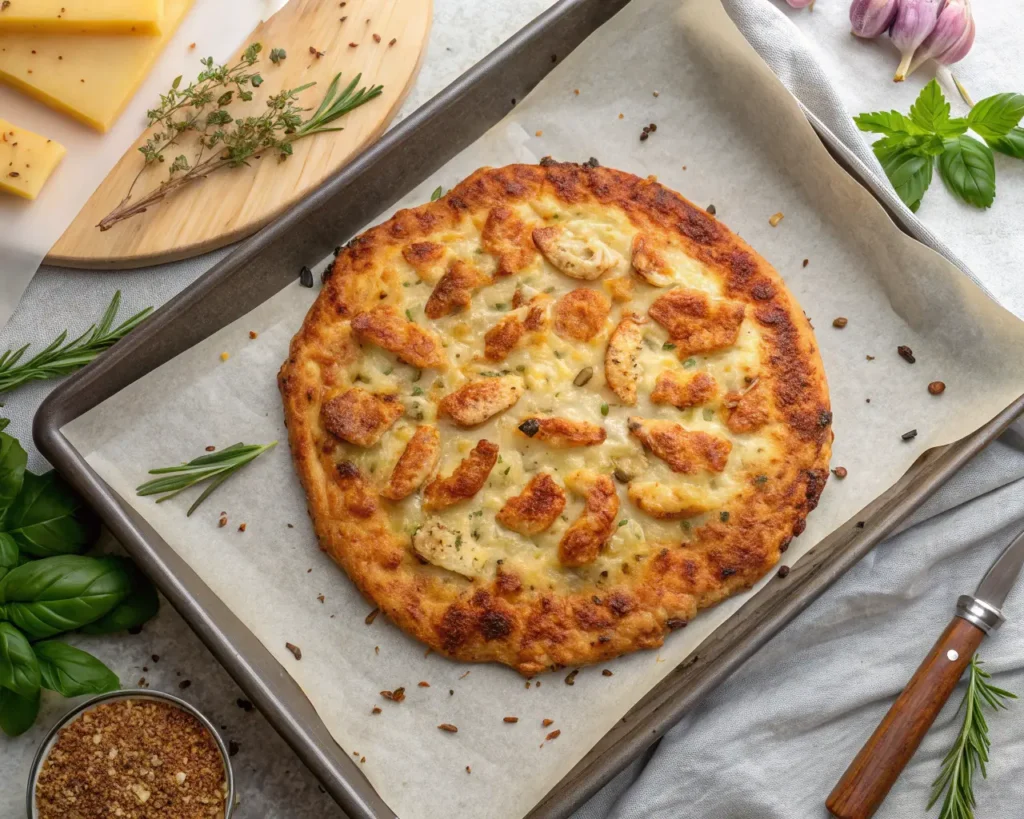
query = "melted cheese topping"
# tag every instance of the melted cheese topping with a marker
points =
(471, 542)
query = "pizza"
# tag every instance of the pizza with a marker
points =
(547, 418)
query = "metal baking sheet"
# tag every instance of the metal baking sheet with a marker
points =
(269, 261)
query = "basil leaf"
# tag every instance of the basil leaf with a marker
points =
(910, 173)
(12, 471)
(17, 713)
(72, 672)
(8, 554)
(19, 669)
(141, 605)
(996, 116)
(931, 112)
(1012, 144)
(49, 518)
(968, 169)
(890, 123)
(46, 597)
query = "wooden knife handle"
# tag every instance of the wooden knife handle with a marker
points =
(872, 773)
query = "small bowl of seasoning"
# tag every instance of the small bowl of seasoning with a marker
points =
(134, 753)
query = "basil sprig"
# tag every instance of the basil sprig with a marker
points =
(910, 143)
(47, 587)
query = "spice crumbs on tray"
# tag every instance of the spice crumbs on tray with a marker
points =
(840, 472)
(223, 521)
(554, 734)
(606, 673)
(423, 684)
(538, 133)
(806, 262)
(295, 650)
(137, 758)
(469, 770)
(241, 527)
(225, 356)
(937, 387)
(906, 353)
(546, 722)
(783, 572)
(253, 334)
(840, 322)
(211, 448)
(376, 709)
(570, 678)
(775, 218)
(447, 726)
(511, 720)
(371, 617)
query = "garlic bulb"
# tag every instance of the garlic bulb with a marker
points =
(872, 18)
(951, 38)
(914, 21)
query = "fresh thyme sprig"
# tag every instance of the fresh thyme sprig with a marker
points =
(216, 467)
(970, 751)
(226, 140)
(61, 358)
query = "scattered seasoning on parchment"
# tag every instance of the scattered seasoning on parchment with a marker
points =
(142, 682)
(464, 676)
(233, 748)
(376, 649)
(546, 722)
(223, 521)
(241, 527)
(371, 617)
(469, 770)
(138, 758)
(451, 692)
(576, 91)
(775, 218)
(353, 45)
(606, 673)
(393, 41)
(398, 695)
(376, 709)
(447, 726)
(376, 38)
(253, 334)
(937, 387)
(554, 734)
(511, 720)
(306, 277)
(806, 262)
(191, 46)
(906, 354)
(244, 704)
(225, 356)
(783, 572)
(321, 598)
(155, 658)
(571, 677)
(316, 52)
(362, 759)
(211, 448)
(622, 116)
(423, 684)
(185, 684)
(295, 650)
(908, 436)
(711, 209)
(538, 133)
(869, 357)
(840, 322)
(840, 472)
(343, 19)
(655, 93)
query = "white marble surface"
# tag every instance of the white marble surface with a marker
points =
(271, 782)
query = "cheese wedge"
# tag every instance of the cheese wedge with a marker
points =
(89, 76)
(26, 160)
(77, 16)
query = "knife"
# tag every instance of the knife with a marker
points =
(873, 771)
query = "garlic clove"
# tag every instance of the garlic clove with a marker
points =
(799, 4)
(914, 21)
(951, 38)
(872, 18)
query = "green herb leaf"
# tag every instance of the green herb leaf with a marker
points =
(72, 672)
(12, 471)
(19, 669)
(910, 173)
(9, 556)
(49, 518)
(45, 597)
(140, 606)
(996, 116)
(931, 112)
(277, 54)
(890, 123)
(437, 194)
(1012, 144)
(970, 751)
(968, 169)
(216, 467)
(17, 713)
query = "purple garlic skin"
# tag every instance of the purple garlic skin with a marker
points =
(914, 21)
(799, 4)
(872, 18)
(951, 38)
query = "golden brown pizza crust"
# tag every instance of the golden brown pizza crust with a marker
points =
(474, 608)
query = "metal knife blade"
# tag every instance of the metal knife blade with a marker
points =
(984, 607)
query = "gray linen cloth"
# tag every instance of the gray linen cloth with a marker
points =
(772, 741)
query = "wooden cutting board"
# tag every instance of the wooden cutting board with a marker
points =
(353, 37)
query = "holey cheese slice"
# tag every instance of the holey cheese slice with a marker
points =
(89, 76)
(26, 160)
(77, 16)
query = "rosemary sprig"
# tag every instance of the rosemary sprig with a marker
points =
(226, 140)
(216, 467)
(61, 358)
(970, 751)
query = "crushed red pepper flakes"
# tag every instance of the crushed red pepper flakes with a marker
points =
(321, 598)
(447, 726)
(840, 472)
(511, 720)
(423, 684)
(316, 52)
(376, 38)
(376, 709)
(371, 617)
(554, 734)
(241, 527)
(398, 695)
(906, 354)
(223, 521)
(253, 334)
(937, 387)
(211, 448)
(353, 45)
(295, 650)
(546, 722)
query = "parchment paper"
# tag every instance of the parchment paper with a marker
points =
(28, 229)
(745, 148)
